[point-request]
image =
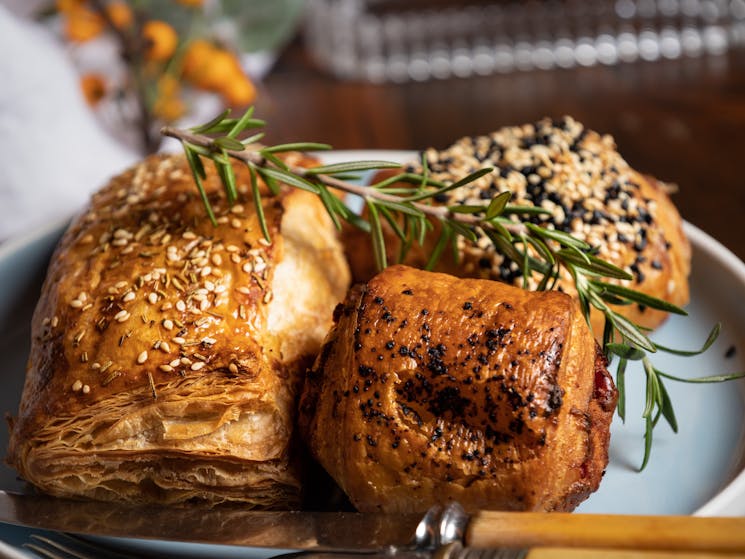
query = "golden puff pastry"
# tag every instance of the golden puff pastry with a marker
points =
(167, 352)
(431, 389)
(586, 188)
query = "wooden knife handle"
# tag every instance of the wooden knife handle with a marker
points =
(574, 553)
(490, 529)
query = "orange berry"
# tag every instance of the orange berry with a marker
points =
(216, 69)
(83, 24)
(239, 91)
(160, 40)
(94, 88)
(191, 3)
(196, 56)
(120, 14)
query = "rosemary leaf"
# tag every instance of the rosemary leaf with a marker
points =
(497, 205)
(257, 202)
(327, 200)
(625, 352)
(631, 332)
(351, 167)
(712, 337)
(209, 126)
(241, 123)
(638, 297)
(289, 178)
(378, 239)
(621, 386)
(446, 235)
(297, 146)
(197, 169)
(704, 380)
(392, 222)
(225, 142)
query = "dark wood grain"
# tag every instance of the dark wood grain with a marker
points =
(682, 121)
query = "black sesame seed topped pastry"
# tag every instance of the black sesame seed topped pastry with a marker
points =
(431, 389)
(586, 188)
(167, 352)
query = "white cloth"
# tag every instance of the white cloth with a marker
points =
(53, 152)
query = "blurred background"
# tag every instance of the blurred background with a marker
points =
(666, 78)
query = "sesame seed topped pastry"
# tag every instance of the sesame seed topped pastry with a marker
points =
(432, 389)
(167, 352)
(587, 190)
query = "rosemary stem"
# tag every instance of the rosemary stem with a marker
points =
(254, 157)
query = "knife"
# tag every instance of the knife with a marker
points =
(442, 531)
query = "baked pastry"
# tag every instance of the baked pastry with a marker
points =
(588, 190)
(167, 352)
(432, 389)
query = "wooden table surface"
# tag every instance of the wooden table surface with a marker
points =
(682, 121)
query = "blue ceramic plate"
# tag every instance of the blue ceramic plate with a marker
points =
(696, 471)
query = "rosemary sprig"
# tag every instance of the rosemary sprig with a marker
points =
(540, 253)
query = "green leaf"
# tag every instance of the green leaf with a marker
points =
(447, 188)
(253, 139)
(466, 209)
(241, 123)
(351, 167)
(625, 352)
(648, 428)
(274, 159)
(289, 178)
(498, 204)
(631, 332)
(208, 126)
(446, 236)
(197, 170)
(257, 202)
(378, 239)
(227, 176)
(225, 142)
(565, 239)
(393, 223)
(298, 146)
(667, 407)
(621, 386)
(713, 335)
(411, 178)
(704, 380)
(402, 207)
(331, 208)
(463, 230)
(638, 297)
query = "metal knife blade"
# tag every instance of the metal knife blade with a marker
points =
(316, 531)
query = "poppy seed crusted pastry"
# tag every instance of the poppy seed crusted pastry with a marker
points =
(431, 389)
(167, 352)
(585, 187)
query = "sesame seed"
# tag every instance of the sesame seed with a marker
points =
(122, 316)
(197, 366)
(129, 296)
(175, 363)
(268, 296)
(234, 258)
(233, 368)
(166, 368)
(142, 357)
(216, 260)
(188, 235)
(152, 298)
(180, 305)
(237, 209)
(206, 271)
(232, 248)
(264, 242)
(178, 340)
(248, 267)
(165, 347)
(168, 324)
(77, 385)
(121, 284)
(86, 389)
(185, 361)
(235, 223)
(76, 304)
